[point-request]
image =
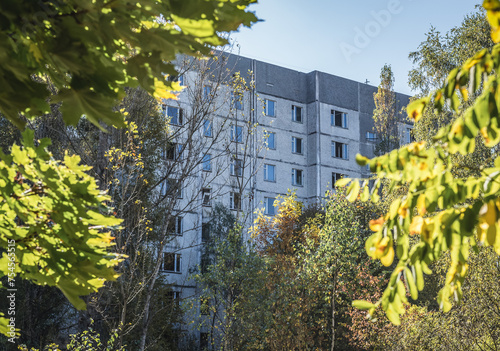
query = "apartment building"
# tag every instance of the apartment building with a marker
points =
(282, 129)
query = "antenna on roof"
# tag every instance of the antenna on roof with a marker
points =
(367, 81)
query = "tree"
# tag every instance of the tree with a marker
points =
(336, 271)
(212, 142)
(51, 223)
(88, 339)
(131, 162)
(292, 322)
(91, 52)
(315, 270)
(435, 57)
(439, 54)
(385, 115)
(231, 277)
(447, 213)
(86, 54)
(475, 321)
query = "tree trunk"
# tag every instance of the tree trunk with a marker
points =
(101, 161)
(122, 323)
(147, 302)
(333, 314)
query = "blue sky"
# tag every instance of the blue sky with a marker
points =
(351, 39)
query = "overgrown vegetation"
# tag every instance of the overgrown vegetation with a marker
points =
(292, 281)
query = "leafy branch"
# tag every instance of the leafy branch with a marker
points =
(446, 213)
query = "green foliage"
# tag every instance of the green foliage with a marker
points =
(131, 159)
(330, 264)
(88, 340)
(90, 51)
(79, 56)
(338, 272)
(296, 317)
(439, 54)
(385, 115)
(51, 222)
(448, 213)
(435, 58)
(474, 322)
(315, 268)
(232, 283)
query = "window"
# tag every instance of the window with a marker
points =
(270, 107)
(335, 178)
(174, 114)
(205, 195)
(204, 306)
(171, 187)
(339, 119)
(175, 226)
(179, 79)
(296, 113)
(235, 201)
(172, 262)
(270, 173)
(204, 345)
(236, 168)
(237, 100)
(269, 206)
(296, 145)
(205, 262)
(168, 153)
(207, 128)
(237, 134)
(178, 151)
(271, 140)
(174, 297)
(172, 152)
(205, 232)
(207, 92)
(409, 136)
(297, 177)
(340, 150)
(207, 163)
(371, 136)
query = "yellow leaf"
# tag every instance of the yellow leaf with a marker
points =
(416, 108)
(35, 51)
(377, 224)
(416, 225)
(382, 247)
(388, 258)
(416, 147)
(403, 210)
(491, 5)
(163, 92)
(421, 205)
(465, 93)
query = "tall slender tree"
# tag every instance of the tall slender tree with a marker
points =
(385, 115)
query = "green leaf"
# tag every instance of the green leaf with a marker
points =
(411, 283)
(362, 305)
(342, 182)
(393, 316)
(419, 275)
(361, 160)
(353, 191)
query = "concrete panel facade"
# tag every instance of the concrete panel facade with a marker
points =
(326, 148)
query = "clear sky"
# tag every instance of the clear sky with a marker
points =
(351, 39)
